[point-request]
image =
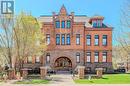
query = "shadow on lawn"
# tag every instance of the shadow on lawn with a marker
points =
(104, 78)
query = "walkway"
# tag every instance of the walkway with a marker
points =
(62, 80)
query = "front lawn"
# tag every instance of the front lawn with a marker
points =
(34, 81)
(107, 79)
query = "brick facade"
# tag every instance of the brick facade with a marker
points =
(79, 24)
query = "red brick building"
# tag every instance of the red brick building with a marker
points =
(76, 40)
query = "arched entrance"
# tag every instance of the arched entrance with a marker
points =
(63, 64)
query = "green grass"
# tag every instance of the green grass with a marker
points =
(34, 81)
(107, 79)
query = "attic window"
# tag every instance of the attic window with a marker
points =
(97, 23)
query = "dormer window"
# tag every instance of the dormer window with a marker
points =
(97, 23)
(57, 24)
(63, 24)
(68, 24)
(94, 23)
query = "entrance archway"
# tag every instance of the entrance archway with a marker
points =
(63, 64)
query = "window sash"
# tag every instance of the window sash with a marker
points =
(48, 39)
(78, 58)
(68, 40)
(88, 56)
(63, 39)
(63, 24)
(94, 23)
(58, 39)
(88, 41)
(96, 40)
(104, 41)
(104, 56)
(96, 57)
(77, 39)
(57, 24)
(68, 24)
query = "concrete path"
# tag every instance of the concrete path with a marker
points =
(62, 80)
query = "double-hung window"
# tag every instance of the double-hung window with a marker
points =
(68, 39)
(48, 57)
(68, 24)
(63, 39)
(77, 57)
(78, 39)
(63, 24)
(96, 59)
(104, 40)
(88, 56)
(96, 40)
(48, 39)
(57, 39)
(104, 57)
(57, 23)
(88, 41)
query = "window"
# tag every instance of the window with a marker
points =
(57, 24)
(77, 57)
(63, 39)
(57, 39)
(68, 39)
(37, 59)
(29, 59)
(63, 24)
(88, 41)
(99, 23)
(68, 24)
(96, 40)
(78, 39)
(48, 39)
(94, 22)
(104, 58)
(104, 41)
(88, 56)
(96, 56)
(48, 57)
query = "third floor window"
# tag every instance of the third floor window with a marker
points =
(63, 24)
(88, 41)
(68, 24)
(78, 39)
(57, 39)
(104, 40)
(68, 39)
(57, 24)
(48, 39)
(63, 39)
(96, 40)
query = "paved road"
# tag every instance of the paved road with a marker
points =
(61, 80)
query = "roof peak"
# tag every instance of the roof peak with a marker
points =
(63, 10)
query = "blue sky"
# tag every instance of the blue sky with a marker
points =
(110, 9)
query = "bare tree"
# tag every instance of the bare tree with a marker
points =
(124, 39)
(6, 37)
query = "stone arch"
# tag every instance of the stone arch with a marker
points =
(71, 59)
